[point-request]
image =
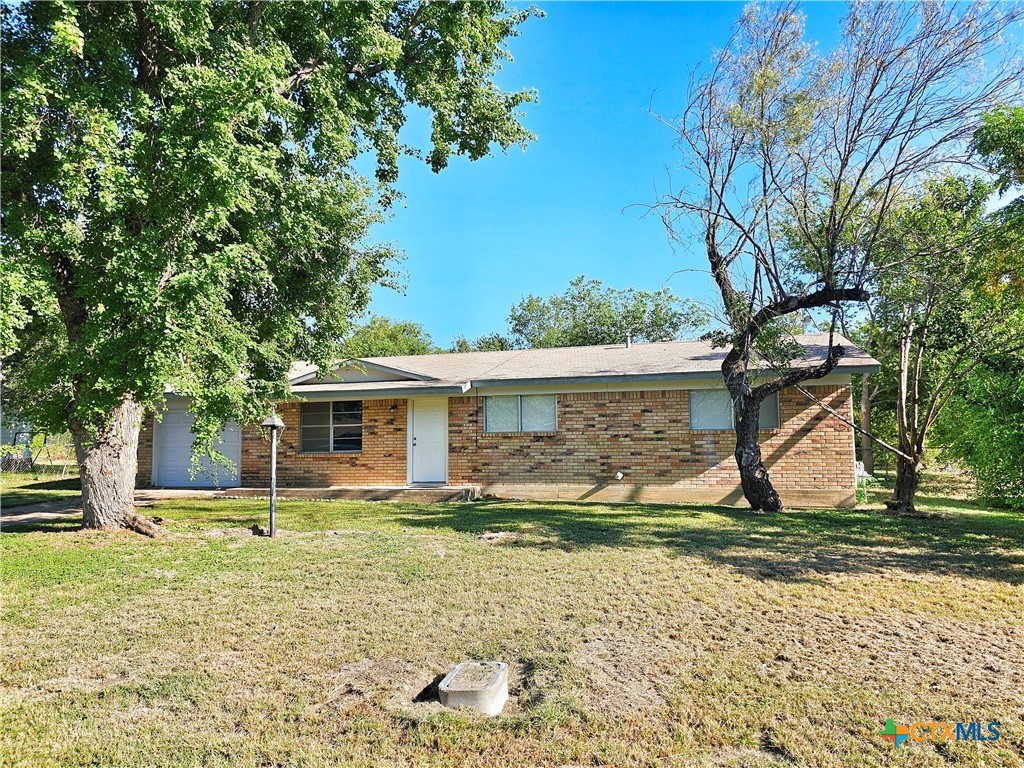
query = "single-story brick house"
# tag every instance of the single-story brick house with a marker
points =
(640, 422)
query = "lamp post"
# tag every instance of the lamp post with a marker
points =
(274, 424)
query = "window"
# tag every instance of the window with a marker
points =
(768, 418)
(331, 427)
(520, 413)
(501, 414)
(538, 413)
(712, 409)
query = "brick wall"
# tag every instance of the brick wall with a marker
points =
(646, 436)
(381, 462)
(144, 467)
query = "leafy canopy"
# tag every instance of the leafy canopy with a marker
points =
(984, 427)
(947, 308)
(489, 342)
(589, 312)
(1000, 142)
(182, 202)
(381, 336)
(984, 423)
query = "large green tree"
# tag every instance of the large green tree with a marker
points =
(999, 141)
(999, 144)
(589, 312)
(947, 309)
(983, 425)
(489, 342)
(182, 205)
(792, 152)
(381, 336)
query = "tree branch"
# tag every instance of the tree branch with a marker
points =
(797, 375)
(253, 14)
(147, 75)
(846, 421)
(819, 298)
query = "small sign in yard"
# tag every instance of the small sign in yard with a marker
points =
(480, 685)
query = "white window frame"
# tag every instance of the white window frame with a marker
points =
(732, 415)
(520, 430)
(331, 427)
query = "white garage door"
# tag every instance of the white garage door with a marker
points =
(172, 443)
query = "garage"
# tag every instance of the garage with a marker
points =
(172, 449)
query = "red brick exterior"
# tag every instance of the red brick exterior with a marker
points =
(645, 435)
(381, 462)
(144, 467)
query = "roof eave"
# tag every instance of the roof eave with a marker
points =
(859, 368)
(370, 393)
(606, 379)
(304, 377)
(389, 369)
(637, 378)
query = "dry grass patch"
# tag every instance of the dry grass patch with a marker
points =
(637, 635)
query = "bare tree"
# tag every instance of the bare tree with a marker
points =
(794, 157)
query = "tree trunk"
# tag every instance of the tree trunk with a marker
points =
(908, 476)
(867, 446)
(107, 461)
(757, 487)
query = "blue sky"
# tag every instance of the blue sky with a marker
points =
(479, 236)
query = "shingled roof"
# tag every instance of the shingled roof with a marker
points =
(460, 371)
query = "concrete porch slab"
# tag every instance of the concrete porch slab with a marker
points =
(418, 493)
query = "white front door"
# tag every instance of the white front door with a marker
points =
(172, 443)
(429, 438)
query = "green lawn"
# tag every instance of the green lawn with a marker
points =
(638, 635)
(20, 488)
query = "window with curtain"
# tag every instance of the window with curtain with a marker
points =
(520, 413)
(331, 427)
(712, 409)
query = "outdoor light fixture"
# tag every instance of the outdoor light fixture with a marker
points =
(274, 424)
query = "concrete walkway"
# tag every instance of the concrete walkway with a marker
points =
(69, 509)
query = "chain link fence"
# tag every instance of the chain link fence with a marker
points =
(40, 453)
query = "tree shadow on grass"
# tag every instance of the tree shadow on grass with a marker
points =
(56, 525)
(15, 493)
(65, 484)
(800, 545)
(794, 546)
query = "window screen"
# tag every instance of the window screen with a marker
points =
(501, 414)
(538, 413)
(526, 413)
(347, 424)
(768, 417)
(331, 427)
(710, 409)
(315, 427)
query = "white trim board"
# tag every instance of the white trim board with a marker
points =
(677, 384)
